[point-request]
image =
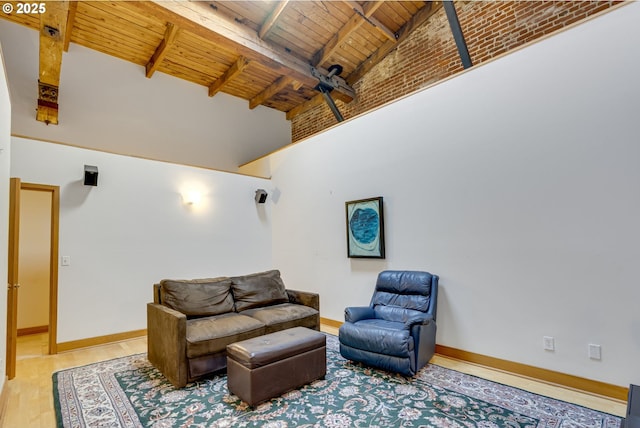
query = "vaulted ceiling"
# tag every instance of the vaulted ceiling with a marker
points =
(280, 54)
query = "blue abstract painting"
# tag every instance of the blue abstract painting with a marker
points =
(365, 228)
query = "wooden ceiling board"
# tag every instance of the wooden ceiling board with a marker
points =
(412, 7)
(352, 54)
(337, 9)
(119, 46)
(251, 82)
(185, 73)
(210, 40)
(114, 47)
(206, 47)
(304, 46)
(137, 43)
(279, 102)
(368, 39)
(211, 70)
(391, 16)
(200, 58)
(318, 19)
(129, 11)
(402, 10)
(281, 99)
(299, 33)
(261, 74)
(130, 36)
(251, 14)
(30, 20)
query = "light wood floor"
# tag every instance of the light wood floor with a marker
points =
(30, 396)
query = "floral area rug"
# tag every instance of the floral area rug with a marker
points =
(130, 392)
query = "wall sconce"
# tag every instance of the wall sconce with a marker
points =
(192, 197)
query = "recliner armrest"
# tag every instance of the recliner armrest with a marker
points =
(424, 320)
(305, 298)
(357, 313)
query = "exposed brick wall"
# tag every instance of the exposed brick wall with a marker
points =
(490, 28)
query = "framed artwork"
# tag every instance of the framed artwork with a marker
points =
(365, 228)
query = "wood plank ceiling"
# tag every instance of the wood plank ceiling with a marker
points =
(271, 53)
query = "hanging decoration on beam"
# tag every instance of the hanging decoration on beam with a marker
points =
(52, 32)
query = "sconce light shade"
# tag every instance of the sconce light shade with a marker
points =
(261, 196)
(90, 175)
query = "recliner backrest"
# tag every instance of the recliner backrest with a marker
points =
(399, 294)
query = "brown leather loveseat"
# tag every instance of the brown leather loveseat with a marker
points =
(191, 322)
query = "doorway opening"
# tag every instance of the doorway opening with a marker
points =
(33, 272)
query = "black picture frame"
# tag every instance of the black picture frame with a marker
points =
(365, 228)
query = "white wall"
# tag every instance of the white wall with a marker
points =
(108, 104)
(133, 230)
(5, 152)
(516, 182)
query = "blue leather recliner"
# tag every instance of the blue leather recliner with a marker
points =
(397, 331)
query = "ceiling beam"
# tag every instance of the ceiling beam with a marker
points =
(71, 17)
(416, 21)
(200, 19)
(268, 23)
(280, 83)
(235, 69)
(355, 22)
(307, 105)
(170, 34)
(366, 14)
(52, 31)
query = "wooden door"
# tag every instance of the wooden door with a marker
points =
(13, 281)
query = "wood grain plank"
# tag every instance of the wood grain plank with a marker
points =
(163, 48)
(192, 16)
(272, 18)
(231, 73)
(277, 86)
(118, 48)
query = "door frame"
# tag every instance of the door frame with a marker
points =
(16, 186)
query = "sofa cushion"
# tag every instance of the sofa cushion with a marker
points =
(211, 335)
(285, 315)
(197, 297)
(258, 289)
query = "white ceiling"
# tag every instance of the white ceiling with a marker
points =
(108, 104)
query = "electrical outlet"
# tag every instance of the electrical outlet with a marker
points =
(595, 352)
(549, 343)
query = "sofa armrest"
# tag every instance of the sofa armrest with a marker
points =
(357, 313)
(305, 298)
(167, 342)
